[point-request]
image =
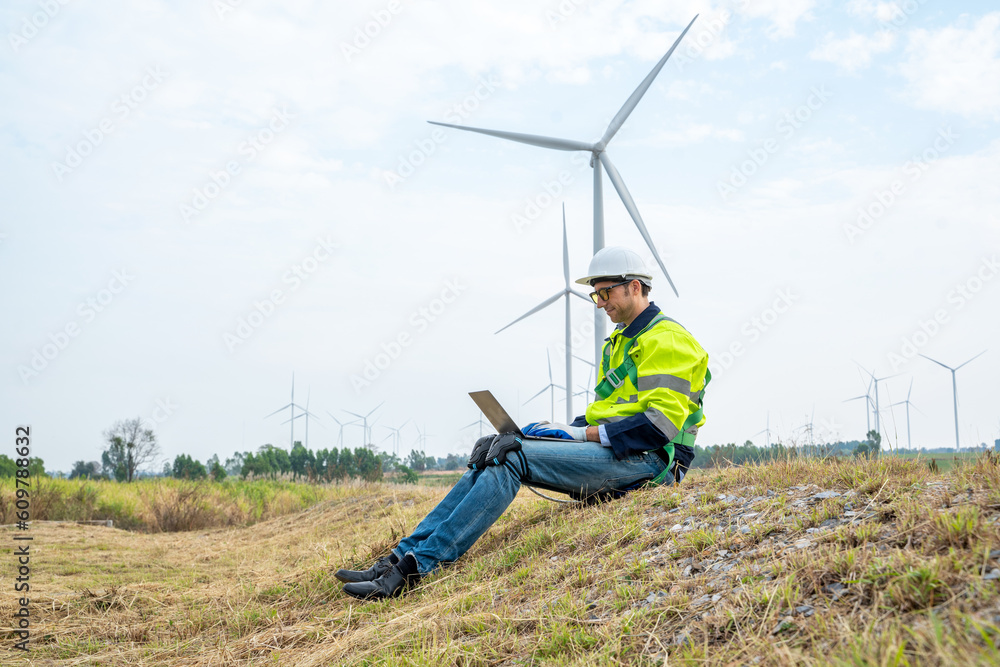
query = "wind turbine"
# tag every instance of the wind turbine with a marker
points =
(551, 385)
(566, 292)
(305, 413)
(591, 373)
(478, 423)
(292, 418)
(909, 444)
(878, 418)
(954, 388)
(364, 420)
(767, 431)
(340, 434)
(599, 158)
(395, 436)
(868, 405)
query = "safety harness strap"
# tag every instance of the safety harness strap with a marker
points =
(684, 437)
(613, 379)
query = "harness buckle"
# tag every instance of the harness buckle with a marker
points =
(611, 377)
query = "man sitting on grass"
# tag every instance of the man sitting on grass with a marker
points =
(641, 428)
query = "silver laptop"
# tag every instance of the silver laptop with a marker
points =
(502, 421)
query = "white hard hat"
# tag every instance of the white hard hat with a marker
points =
(617, 261)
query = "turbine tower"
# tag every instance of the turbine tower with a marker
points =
(305, 413)
(875, 380)
(954, 388)
(292, 405)
(909, 444)
(566, 292)
(599, 158)
(340, 434)
(364, 421)
(551, 385)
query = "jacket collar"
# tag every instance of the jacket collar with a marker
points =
(640, 322)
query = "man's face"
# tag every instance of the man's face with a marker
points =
(621, 302)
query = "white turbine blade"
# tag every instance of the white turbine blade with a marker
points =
(582, 296)
(938, 362)
(910, 391)
(376, 408)
(535, 396)
(549, 359)
(530, 139)
(616, 180)
(565, 250)
(355, 414)
(856, 398)
(279, 410)
(973, 358)
(633, 100)
(543, 304)
(587, 361)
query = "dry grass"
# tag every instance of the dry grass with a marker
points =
(663, 575)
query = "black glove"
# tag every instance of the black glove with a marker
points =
(477, 460)
(503, 444)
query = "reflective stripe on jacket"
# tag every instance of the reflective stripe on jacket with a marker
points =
(670, 369)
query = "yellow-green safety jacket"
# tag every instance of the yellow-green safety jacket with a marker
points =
(657, 403)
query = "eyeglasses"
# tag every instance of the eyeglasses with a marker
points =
(605, 292)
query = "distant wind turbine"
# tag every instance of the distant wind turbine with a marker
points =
(291, 420)
(340, 433)
(305, 413)
(909, 444)
(954, 388)
(364, 421)
(551, 385)
(766, 431)
(564, 293)
(599, 158)
(875, 380)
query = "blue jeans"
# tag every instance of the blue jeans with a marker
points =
(480, 497)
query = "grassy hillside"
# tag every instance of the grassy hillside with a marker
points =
(795, 562)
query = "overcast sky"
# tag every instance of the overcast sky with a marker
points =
(202, 198)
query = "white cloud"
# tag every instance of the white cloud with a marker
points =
(853, 52)
(956, 68)
(783, 14)
(692, 134)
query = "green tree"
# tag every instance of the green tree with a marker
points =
(409, 475)
(86, 470)
(130, 446)
(417, 460)
(186, 467)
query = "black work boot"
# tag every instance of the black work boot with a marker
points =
(371, 574)
(401, 576)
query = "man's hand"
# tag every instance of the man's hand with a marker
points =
(564, 431)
